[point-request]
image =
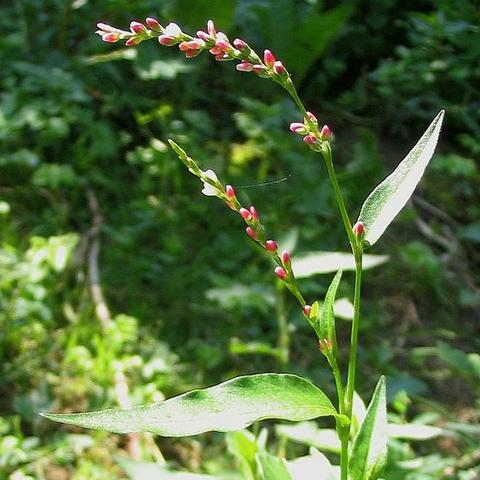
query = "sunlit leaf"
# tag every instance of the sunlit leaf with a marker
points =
(369, 451)
(388, 198)
(327, 262)
(229, 406)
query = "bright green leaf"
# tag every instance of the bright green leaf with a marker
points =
(369, 451)
(388, 198)
(273, 468)
(229, 406)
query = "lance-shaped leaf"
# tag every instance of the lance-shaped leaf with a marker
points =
(369, 451)
(388, 198)
(327, 315)
(229, 406)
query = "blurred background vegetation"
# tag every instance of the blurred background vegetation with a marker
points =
(120, 282)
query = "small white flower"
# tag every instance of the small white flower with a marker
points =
(172, 30)
(210, 191)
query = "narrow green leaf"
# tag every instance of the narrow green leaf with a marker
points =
(369, 451)
(273, 468)
(327, 316)
(388, 198)
(229, 406)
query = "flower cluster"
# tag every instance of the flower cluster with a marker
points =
(312, 136)
(212, 187)
(217, 43)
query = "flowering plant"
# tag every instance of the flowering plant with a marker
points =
(238, 403)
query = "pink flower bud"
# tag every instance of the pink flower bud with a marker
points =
(230, 192)
(223, 45)
(299, 128)
(325, 134)
(307, 309)
(310, 139)
(271, 246)
(131, 42)
(166, 40)
(279, 68)
(138, 28)
(251, 233)
(196, 44)
(231, 206)
(192, 53)
(280, 273)
(204, 36)
(358, 229)
(268, 58)
(245, 214)
(244, 66)
(183, 46)
(153, 24)
(254, 213)
(211, 28)
(325, 346)
(312, 118)
(111, 37)
(260, 70)
(240, 44)
(286, 259)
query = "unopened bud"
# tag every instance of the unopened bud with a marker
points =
(183, 46)
(111, 37)
(251, 233)
(312, 118)
(138, 28)
(166, 40)
(244, 66)
(268, 58)
(196, 44)
(271, 246)
(307, 309)
(260, 70)
(254, 213)
(299, 128)
(153, 24)
(358, 229)
(240, 44)
(230, 192)
(245, 214)
(211, 28)
(279, 68)
(286, 259)
(280, 273)
(325, 134)
(192, 53)
(325, 346)
(310, 139)
(204, 36)
(131, 42)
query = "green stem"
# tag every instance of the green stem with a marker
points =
(283, 345)
(352, 364)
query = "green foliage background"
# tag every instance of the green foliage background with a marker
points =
(83, 159)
